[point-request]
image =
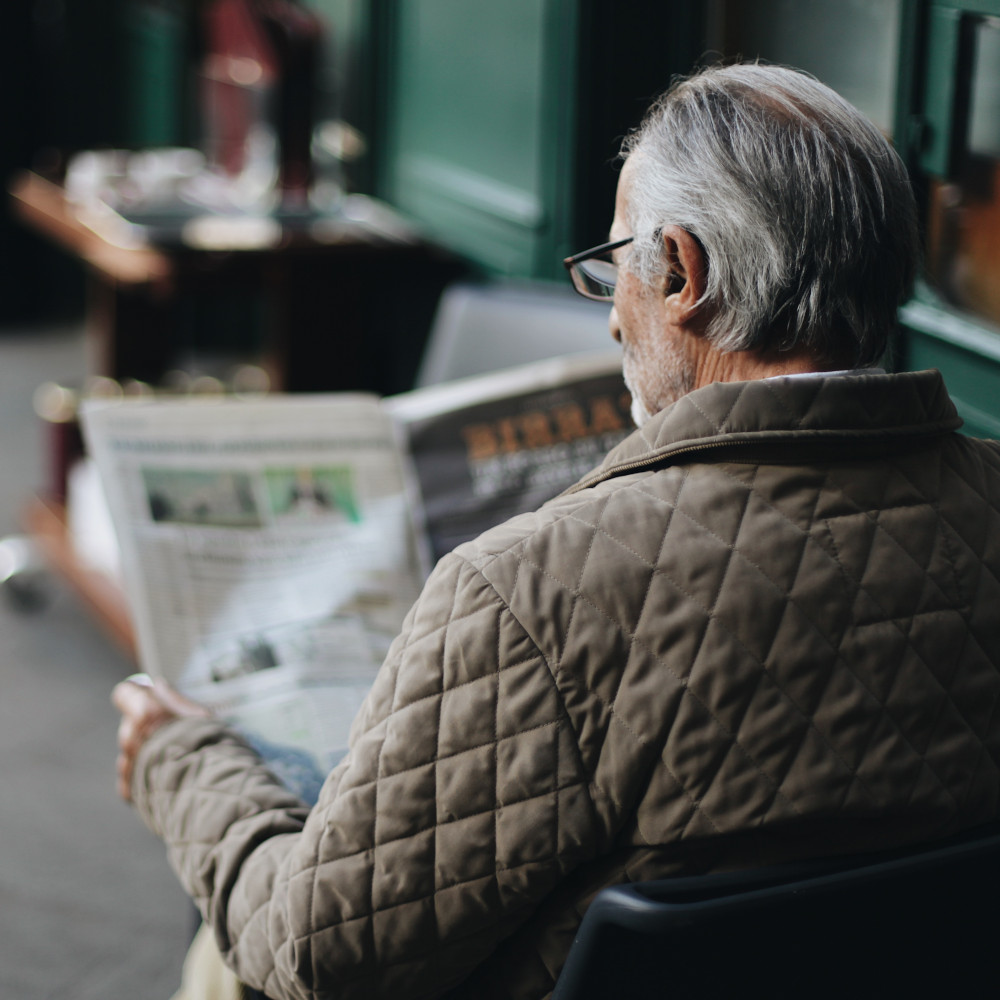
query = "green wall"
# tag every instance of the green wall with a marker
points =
(478, 125)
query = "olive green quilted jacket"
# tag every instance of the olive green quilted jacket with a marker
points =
(767, 627)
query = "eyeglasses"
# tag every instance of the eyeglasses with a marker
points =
(594, 272)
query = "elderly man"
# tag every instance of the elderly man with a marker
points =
(764, 628)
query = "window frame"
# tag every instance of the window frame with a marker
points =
(932, 108)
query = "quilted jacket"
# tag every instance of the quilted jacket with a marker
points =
(768, 626)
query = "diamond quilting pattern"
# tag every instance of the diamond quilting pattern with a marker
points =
(403, 869)
(409, 739)
(526, 708)
(465, 784)
(699, 649)
(465, 849)
(467, 716)
(527, 765)
(411, 793)
(756, 598)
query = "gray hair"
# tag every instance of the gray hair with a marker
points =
(803, 209)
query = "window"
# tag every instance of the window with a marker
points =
(963, 201)
(952, 106)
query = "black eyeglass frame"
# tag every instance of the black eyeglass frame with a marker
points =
(570, 264)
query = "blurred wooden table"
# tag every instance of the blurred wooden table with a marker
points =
(46, 522)
(345, 300)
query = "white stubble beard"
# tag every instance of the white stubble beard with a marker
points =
(639, 412)
(673, 373)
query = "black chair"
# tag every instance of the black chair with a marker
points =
(921, 924)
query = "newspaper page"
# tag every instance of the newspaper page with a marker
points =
(268, 553)
(483, 449)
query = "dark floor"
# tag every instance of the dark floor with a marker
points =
(89, 909)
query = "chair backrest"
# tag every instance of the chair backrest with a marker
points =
(922, 924)
(482, 328)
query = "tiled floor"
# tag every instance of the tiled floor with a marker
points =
(89, 909)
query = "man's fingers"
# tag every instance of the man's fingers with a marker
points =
(176, 702)
(123, 765)
(141, 707)
(154, 698)
(142, 713)
(145, 706)
(131, 734)
(129, 697)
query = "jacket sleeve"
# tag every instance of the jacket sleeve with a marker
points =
(461, 803)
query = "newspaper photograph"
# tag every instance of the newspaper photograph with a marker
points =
(268, 553)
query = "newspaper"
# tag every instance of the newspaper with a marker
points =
(483, 449)
(271, 548)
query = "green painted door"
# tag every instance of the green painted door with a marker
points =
(478, 126)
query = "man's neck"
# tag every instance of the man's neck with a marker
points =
(742, 366)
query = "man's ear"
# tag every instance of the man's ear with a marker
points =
(687, 273)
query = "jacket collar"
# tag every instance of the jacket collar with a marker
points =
(852, 410)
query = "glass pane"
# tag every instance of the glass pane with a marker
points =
(984, 115)
(963, 227)
(851, 45)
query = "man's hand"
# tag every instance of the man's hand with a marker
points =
(145, 706)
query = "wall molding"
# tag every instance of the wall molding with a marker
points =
(473, 190)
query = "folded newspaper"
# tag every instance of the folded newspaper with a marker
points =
(271, 548)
